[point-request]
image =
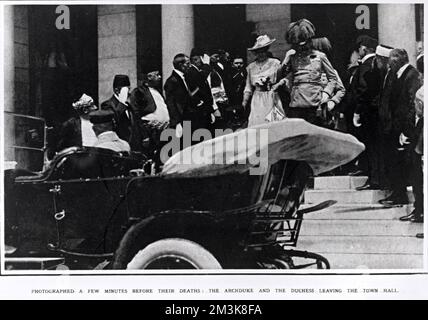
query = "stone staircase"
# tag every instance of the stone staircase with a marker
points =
(357, 232)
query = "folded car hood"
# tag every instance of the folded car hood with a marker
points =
(290, 139)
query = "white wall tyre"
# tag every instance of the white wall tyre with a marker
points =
(173, 253)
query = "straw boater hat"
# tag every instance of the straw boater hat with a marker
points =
(262, 42)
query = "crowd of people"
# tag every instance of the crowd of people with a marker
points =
(381, 104)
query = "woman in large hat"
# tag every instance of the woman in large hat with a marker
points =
(305, 65)
(262, 76)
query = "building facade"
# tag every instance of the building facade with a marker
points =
(105, 40)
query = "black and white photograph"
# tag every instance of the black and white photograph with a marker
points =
(192, 138)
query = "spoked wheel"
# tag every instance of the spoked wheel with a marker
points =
(174, 253)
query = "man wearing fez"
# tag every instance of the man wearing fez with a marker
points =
(124, 122)
(402, 114)
(102, 121)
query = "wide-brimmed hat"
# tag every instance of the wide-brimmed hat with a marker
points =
(262, 42)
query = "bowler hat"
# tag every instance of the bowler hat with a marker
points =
(121, 80)
(101, 116)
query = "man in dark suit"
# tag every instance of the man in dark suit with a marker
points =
(177, 95)
(124, 118)
(402, 114)
(366, 85)
(196, 79)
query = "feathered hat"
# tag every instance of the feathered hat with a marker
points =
(300, 31)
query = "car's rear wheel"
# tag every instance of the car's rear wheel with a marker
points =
(173, 253)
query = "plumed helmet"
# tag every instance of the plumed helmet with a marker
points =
(300, 31)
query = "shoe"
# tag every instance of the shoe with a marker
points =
(393, 200)
(368, 186)
(417, 219)
(420, 235)
(409, 217)
(356, 173)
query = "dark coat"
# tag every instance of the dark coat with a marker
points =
(197, 82)
(142, 102)
(70, 134)
(178, 100)
(124, 124)
(385, 115)
(366, 85)
(402, 101)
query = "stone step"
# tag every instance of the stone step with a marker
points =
(361, 244)
(339, 182)
(345, 196)
(358, 212)
(371, 261)
(360, 228)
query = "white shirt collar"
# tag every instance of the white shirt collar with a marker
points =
(401, 70)
(181, 74)
(367, 56)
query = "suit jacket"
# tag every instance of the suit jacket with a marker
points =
(385, 114)
(125, 125)
(401, 102)
(178, 99)
(203, 99)
(366, 85)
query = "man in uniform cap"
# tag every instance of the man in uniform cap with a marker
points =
(124, 119)
(102, 121)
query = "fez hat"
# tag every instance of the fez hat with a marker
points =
(101, 116)
(383, 51)
(300, 31)
(262, 42)
(121, 80)
(367, 41)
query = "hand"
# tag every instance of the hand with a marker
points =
(324, 98)
(403, 140)
(356, 120)
(341, 116)
(330, 105)
(217, 113)
(212, 118)
(205, 59)
(179, 131)
(288, 55)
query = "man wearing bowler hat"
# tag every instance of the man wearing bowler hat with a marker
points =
(102, 124)
(123, 119)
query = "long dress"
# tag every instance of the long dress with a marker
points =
(263, 99)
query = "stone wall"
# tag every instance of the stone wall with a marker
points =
(273, 20)
(117, 46)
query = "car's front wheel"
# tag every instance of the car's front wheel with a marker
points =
(173, 253)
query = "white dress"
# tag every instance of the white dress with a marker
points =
(262, 101)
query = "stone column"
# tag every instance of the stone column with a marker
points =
(177, 34)
(9, 80)
(117, 46)
(397, 27)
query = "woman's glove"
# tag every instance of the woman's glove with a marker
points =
(288, 55)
